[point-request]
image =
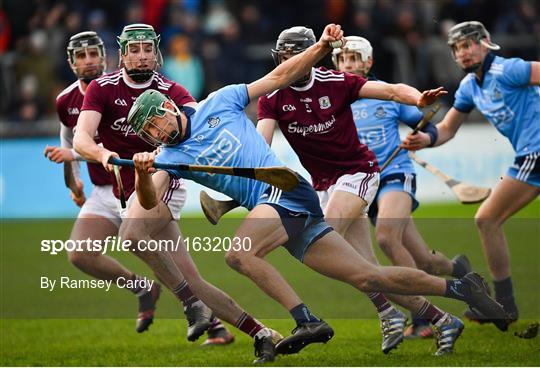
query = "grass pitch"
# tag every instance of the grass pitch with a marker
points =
(96, 328)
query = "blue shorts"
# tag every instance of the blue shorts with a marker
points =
(300, 214)
(398, 182)
(526, 169)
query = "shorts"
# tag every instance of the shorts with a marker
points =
(300, 214)
(398, 182)
(102, 203)
(174, 197)
(361, 184)
(526, 169)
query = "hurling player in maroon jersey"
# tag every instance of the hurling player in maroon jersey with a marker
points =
(99, 217)
(315, 116)
(395, 200)
(105, 108)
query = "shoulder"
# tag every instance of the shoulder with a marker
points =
(165, 84)
(68, 91)
(466, 81)
(498, 65)
(510, 68)
(110, 79)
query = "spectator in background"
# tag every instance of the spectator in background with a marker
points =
(183, 67)
(32, 61)
(28, 106)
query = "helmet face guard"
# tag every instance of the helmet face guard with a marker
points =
(145, 109)
(292, 41)
(140, 34)
(358, 45)
(83, 42)
(474, 31)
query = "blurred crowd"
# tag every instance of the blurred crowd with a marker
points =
(210, 43)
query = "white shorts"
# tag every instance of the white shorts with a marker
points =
(361, 184)
(174, 198)
(102, 203)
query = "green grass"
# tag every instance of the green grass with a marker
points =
(357, 343)
(95, 327)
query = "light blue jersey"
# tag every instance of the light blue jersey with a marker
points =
(216, 135)
(377, 126)
(220, 134)
(506, 99)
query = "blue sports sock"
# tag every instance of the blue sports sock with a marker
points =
(302, 314)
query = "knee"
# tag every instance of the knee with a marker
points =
(80, 259)
(387, 240)
(236, 261)
(486, 223)
(132, 234)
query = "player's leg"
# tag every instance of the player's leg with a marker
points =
(393, 218)
(221, 303)
(432, 261)
(394, 214)
(508, 197)
(333, 257)
(345, 212)
(99, 219)
(265, 226)
(140, 225)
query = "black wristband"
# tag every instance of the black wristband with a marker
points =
(431, 130)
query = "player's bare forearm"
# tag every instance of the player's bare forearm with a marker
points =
(446, 130)
(401, 93)
(405, 94)
(146, 191)
(299, 65)
(266, 127)
(144, 185)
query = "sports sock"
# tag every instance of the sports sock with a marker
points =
(146, 302)
(430, 312)
(504, 293)
(457, 289)
(380, 302)
(216, 325)
(249, 325)
(185, 295)
(419, 321)
(302, 314)
(458, 270)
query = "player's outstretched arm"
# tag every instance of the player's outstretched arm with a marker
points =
(401, 93)
(294, 68)
(447, 129)
(83, 141)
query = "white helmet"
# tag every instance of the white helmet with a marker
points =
(355, 44)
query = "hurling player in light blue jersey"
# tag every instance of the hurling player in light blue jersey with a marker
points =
(219, 133)
(377, 125)
(507, 93)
